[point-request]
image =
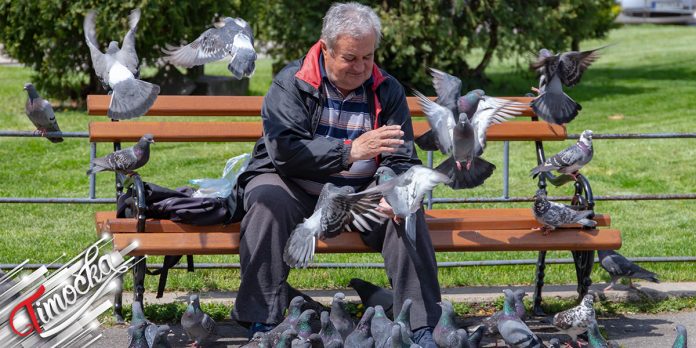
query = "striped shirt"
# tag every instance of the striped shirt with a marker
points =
(346, 118)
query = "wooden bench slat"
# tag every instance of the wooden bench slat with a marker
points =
(450, 240)
(515, 219)
(251, 131)
(176, 105)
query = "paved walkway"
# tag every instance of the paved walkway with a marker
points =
(639, 330)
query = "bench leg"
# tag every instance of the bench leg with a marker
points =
(118, 302)
(541, 267)
(584, 262)
(139, 279)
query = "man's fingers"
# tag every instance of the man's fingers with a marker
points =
(392, 142)
(391, 134)
(386, 149)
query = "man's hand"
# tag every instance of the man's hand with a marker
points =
(386, 209)
(371, 144)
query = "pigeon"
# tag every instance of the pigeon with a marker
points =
(680, 341)
(552, 104)
(554, 343)
(156, 336)
(136, 330)
(340, 318)
(619, 267)
(198, 325)
(491, 323)
(286, 339)
(40, 113)
(125, 161)
(313, 341)
(118, 70)
(406, 196)
(464, 138)
(399, 337)
(446, 333)
(337, 208)
(595, 338)
(372, 295)
(304, 326)
(513, 330)
(404, 317)
(551, 214)
(290, 321)
(329, 334)
(476, 337)
(576, 320)
(361, 336)
(231, 36)
(380, 327)
(570, 160)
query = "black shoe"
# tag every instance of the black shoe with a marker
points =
(424, 337)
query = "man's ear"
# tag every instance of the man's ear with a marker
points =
(324, 47)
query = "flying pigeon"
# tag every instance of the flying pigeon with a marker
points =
(329, 334)
(361, 336)
(513, 330)
(619, 267)
(380, 326)
(595, 338)
(491, 323)
(404, 317)
(337, 208)
(118, 70)
(136, 330)
(406, 196)
(552, 104)
(41, 114)
(680, 341)
(446, 332)
(340, 318)
(372, 295)
(464, 138)
(231, 36)
(124, 161)
(570, 160)
(551, 214)
(198, 325)
(576, 320)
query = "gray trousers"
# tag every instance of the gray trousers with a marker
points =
(274, 206)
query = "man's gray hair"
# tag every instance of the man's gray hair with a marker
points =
(352, 19)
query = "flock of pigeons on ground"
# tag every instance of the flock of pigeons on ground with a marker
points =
(334, 327)
(458, 130)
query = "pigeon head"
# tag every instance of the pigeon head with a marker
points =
(446, 306)
(194, 302)
(586, 137)
(544, 53)
(148, 138)
(469, 102)
(31, 90)
(541, 204)
(519, 294)
(339, 296)
(113, 48)
(588, 300)
(384, 174)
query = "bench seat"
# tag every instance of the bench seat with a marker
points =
(500, 229)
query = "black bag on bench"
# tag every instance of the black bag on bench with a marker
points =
(178, 205)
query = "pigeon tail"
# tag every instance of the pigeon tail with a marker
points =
(100, 165)
(242, 64)
(541, 168)
(553, 108)
(587, 222)
(132, 98)
(460, 179)
(299, 250)
(410, 227)
(428, 141)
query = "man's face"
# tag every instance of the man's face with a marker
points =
(350, 63)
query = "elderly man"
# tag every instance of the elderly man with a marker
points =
(332, 116)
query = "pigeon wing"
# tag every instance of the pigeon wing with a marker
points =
(546, 64)
(564, 320)
(127, 54)
(492, 111)
(214, 44)
(208, 324)
(441, 122)
(150, 334)
(347, 210)
(448, 89)
(573, 64)
(122, 160)
(99, 62)
(569, 156)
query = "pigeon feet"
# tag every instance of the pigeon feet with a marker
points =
(545, 230)
(536, 90)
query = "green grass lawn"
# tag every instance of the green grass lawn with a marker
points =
(644, 83)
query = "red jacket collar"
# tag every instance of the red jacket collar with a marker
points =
(309, 72)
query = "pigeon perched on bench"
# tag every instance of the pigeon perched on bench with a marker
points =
(197, 324)
(576, 320)
(337, 208)
(570, 160)
(620, 267)
(125, 161)
(40, 113)
(406, 196)
(231, 36)
(557, 70)
(551, 214)
(117, 70)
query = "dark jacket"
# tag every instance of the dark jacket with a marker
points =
(291, 112)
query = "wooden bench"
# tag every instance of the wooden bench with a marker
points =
(452, 230)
